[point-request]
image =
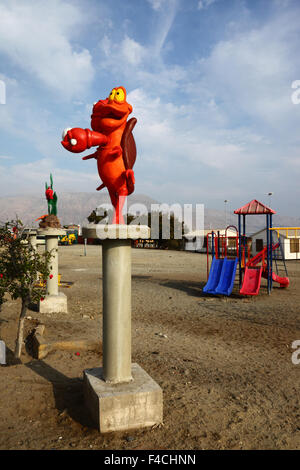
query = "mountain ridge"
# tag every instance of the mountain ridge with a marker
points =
(74, 208)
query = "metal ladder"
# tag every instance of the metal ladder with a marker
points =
(278, 256)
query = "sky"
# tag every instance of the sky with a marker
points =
(214, 85)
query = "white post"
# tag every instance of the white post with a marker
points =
(53, 301)
(116, 268)
(52, 281)
(32, 239)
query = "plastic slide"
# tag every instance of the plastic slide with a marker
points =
(214, 275)
(221, 276)
(257, 258)
(283, 281)
(251, 281)
(227, 277)
(253, 274)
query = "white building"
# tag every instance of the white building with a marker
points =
(289, 239)
(197, 240)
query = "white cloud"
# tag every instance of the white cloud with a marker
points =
(30, 178)
(202, 4)
(132, 51)
(166, 16)
(38, 38)
(129, 58)
(160, 4)
(169, 135)
(124, 55)
(249, 75)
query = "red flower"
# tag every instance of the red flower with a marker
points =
(42, 298)
(51, 276)
(1, 275)
(49, 193)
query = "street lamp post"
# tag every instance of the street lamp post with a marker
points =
(225, 202)
(270, 198)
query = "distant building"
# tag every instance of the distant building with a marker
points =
(197, 240)
(73, 227)
(289, 239)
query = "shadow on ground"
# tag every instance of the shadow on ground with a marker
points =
(68, 392)
(194, 289)
(189, 287)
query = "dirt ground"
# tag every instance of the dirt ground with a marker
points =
(224, 364)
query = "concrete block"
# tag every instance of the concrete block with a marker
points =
(53, 303)
(123, 406)
(115, 231)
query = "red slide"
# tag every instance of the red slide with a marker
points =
(253, 274)
(261, 255)
(283, 281)
(251, 281)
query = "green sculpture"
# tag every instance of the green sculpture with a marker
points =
(51, 198)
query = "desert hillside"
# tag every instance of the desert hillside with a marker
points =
(74, 208)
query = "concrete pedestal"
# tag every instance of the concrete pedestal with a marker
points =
(53, 301)
(119, 407)
(119, 395)
(32, 238)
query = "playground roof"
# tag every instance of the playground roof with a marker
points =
(254, 207)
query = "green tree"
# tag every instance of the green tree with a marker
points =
(171, 230)
(20, 266)
(94, 218)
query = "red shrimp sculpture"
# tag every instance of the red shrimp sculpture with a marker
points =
(116, 152)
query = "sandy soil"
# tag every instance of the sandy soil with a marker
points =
(224, 364)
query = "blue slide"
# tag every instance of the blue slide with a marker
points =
(214, 276)
(227, 277)
(221, 276)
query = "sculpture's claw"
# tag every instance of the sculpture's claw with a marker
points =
(65, 131)
(74, 140)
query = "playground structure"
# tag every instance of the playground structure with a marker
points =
(225, 259)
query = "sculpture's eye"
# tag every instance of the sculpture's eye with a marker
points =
(112, 94)
(119, 95)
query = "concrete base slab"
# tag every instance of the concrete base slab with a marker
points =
(123, 406)
(53, 303)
